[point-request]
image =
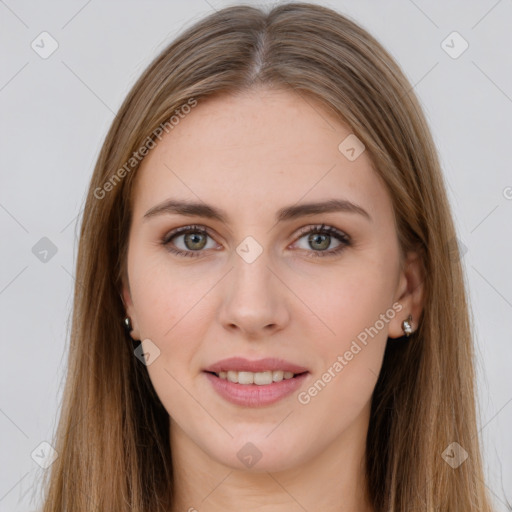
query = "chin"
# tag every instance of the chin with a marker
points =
(261, 453)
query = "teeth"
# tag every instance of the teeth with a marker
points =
(258, 378)
(277, 375)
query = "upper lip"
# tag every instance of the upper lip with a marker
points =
(260, 365)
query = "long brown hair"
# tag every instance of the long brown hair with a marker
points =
(113, 434)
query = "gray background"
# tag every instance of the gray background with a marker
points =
(55, 114)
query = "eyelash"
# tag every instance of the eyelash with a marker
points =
(322, 229)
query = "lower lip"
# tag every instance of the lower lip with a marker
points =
(253, 395)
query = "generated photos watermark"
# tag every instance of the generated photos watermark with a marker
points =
(149, 144)
(305, 397)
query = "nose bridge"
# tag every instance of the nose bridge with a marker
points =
(251, 275)
(253, 299)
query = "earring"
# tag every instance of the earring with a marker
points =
(128, 324)
(407, 326)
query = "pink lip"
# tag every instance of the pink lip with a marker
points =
(261, 365)
(252, 395)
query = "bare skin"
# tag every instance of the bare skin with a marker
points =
(252, 154)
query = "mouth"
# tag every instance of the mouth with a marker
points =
(255, 383)
(264, 378)
(255, 389)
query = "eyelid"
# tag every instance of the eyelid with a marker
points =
(322, 228)
(183, 230)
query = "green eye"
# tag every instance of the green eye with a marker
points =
(320, 237)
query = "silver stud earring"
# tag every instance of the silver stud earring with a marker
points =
(407, 326)
(128, 324)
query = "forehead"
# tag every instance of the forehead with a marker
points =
(256, 151)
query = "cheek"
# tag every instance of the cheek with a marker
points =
(169, 312)
(164, 294)
(354, 305)
(168, 304)
(347, 300)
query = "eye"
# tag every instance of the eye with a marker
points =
(319, 238)
(194, 239)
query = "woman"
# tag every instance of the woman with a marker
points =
(270, 313)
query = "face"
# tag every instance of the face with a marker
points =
(320, 291)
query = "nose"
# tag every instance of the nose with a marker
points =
(255, 300)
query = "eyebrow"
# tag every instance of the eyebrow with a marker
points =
(284, 214)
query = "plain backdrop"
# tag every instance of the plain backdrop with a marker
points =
(55, 112)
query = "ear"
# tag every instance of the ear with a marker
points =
(126, 297)
(409, 294)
